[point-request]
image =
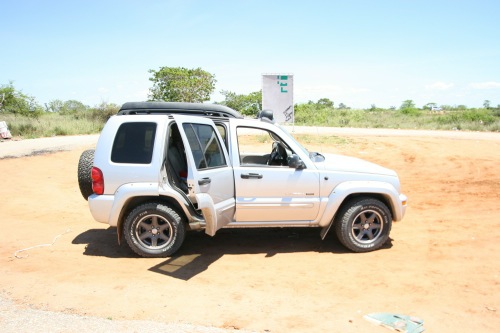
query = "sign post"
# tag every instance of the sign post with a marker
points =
(277, 95)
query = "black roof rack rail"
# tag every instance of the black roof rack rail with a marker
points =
(199, 109)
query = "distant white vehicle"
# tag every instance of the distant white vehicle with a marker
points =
(436, 108)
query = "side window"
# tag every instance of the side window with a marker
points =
(205, 146)
(134, 143)
(257, 147)
(222, 131)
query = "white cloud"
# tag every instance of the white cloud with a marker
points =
(439, 86)
(485, 85)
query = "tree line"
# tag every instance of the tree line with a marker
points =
(179, 84)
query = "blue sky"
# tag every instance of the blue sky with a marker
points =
(353, 52)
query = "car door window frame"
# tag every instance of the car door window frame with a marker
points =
(202, 155)
(272, 136)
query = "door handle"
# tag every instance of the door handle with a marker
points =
(204, 181)
(251, 175)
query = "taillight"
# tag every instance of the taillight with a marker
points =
(97, 181)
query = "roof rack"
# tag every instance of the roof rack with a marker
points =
(195, 109)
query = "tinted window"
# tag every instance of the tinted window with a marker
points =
(222, 131)
(134, 143)
(205, 146)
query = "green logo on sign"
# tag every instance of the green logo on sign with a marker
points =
(282, 84)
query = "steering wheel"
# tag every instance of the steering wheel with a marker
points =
(278, 154)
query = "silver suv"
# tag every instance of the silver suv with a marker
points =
(160, 169)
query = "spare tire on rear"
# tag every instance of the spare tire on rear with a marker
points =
(85, 173)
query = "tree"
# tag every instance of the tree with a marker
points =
(179, 84)
(486, 104)
(54, 105)
(325, 102)
(342, 106)
(408, 107)
(13, 101)
(7, 98)
(248, 105)
(429, 106)
(72, 106)
(103, 111)
(408, 104)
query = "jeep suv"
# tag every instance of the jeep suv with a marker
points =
(160, 169)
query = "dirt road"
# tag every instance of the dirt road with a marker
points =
(442, 263)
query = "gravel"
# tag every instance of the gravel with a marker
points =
(14, 318)
(18, 148)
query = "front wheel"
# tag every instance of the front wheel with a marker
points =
(363, 224)
(154, 230)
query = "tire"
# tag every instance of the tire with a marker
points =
(85, 165)
(154, 230)
(363, 224)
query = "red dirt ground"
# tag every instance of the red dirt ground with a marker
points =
(442, 263)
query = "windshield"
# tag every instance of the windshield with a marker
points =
(292, 138)
(316, 157)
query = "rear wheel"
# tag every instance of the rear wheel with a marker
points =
(363, 224)
(85, 173)
(154, 230)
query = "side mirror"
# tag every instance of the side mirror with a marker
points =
(266, 114)
(295, 162)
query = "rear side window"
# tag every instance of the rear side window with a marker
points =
(205, 146)
(134, 143)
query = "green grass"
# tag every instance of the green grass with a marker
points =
(50, 124)
(471, 119)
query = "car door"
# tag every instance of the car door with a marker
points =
(210, 178)
(269, 194)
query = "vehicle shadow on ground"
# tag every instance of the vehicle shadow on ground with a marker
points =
(103, 243)
(199, 250)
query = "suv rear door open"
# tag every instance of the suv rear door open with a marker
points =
(210, 177)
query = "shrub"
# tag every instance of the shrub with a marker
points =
(483, 116)
(102, 112)
(411, 111)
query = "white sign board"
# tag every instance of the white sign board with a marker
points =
(277, 95)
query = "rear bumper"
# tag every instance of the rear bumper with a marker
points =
(100, 207)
